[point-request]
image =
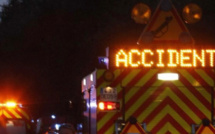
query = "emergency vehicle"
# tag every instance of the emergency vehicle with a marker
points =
(163, 85)
(14, 119)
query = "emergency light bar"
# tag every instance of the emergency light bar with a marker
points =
(8, 104)
(108, 106)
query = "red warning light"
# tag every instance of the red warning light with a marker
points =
(107, 105)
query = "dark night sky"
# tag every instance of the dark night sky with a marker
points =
(48, 46)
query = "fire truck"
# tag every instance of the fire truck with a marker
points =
(14, 119)
(165, 84)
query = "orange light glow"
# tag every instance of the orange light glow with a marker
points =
(173, 58)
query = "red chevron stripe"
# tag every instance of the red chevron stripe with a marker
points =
(3, 116)
(173, 105)
(195, 92)
(23, 117)
(133, 82)
(99, 81)
(148, 101)
(189, 103)
(120, 77)
(199, 79)
(169, 119)
(168, 132)
(141, 91)
(13, 116)
(210, 73)
(109, 123)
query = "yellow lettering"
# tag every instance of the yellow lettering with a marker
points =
(171, 63)
(121, 57)
(211, 52)
(185, 58)
(133, 51)
(160, 53)
(196, 57)
(145, 51)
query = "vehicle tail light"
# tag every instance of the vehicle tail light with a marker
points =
(108, 106)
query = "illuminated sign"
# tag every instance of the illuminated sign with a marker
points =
(165, 58)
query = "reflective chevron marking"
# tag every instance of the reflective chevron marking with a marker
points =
(174, 125)
(146, 97)
(103, 116)
(114, 117)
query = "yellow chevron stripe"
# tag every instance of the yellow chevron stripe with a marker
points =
(142, 99)
(110, 129)
(209, 81)
(201, 90)
(109, 115)
(168, 92)
(183, 106)
(171, 94)
(146, 77)
(7, 115)
(140, 83)
(168, 127)
(189, 77)
(99, 73)
(130, 76)
(166, 110)
(14, 113)
(193, 98)
(23, 113)
(205, 76)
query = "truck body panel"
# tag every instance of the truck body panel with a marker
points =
(165, 106)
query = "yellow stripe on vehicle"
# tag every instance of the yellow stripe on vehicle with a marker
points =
(192, 98)
(168, 93)
(12, 111)
(147, 77)
(205, 76)
(166, 129)
(23, 113)
(140, 83)
(7, 114)
(109, 115)
(166, 110)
